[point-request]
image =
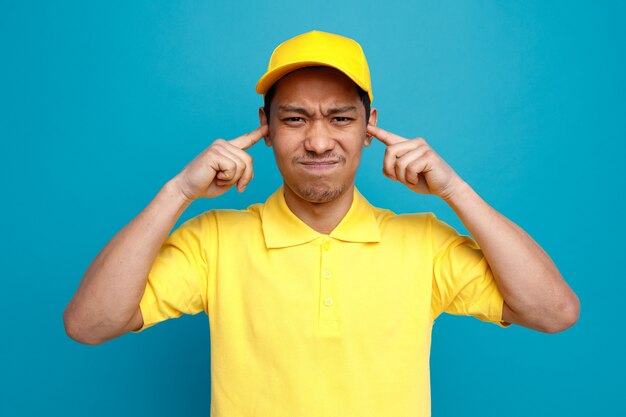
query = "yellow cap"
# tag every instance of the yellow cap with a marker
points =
(318, 48)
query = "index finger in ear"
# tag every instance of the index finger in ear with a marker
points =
(385, 137)
(249, 139)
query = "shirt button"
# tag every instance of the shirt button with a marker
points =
(327, 274)
(328, 301)
(326, 245)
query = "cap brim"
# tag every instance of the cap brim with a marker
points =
(269, 78)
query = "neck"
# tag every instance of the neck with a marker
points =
(321, 217)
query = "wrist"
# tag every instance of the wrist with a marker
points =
(174, 189)
(456, 191)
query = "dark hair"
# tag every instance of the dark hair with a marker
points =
(269, 95)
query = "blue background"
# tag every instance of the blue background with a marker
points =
(103, 102)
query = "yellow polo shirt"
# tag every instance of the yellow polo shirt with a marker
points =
(304, 324)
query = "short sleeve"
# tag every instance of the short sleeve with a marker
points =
(177, 281)
(463, 283)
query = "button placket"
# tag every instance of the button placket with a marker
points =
(328, 297)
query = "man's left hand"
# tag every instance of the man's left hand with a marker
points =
(415, 164)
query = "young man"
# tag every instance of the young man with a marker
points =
(319, 304)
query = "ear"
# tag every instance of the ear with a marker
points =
(373, 120)
(263, 121)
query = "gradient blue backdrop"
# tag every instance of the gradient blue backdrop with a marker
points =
(103, 102)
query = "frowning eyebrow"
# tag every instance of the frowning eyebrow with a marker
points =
(288, 108)
(342, 109)
(301, 110)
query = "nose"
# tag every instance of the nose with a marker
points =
(319, 138)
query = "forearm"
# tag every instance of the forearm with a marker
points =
(109, 294)
(534, 292)
(528, 280)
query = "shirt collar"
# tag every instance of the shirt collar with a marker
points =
(282, 228)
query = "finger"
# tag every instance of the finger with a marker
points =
(410, 159)
(223, 162)
(233, 164)
(226, 169)
(416, 175)
(389, 162)
(247, 173)
(247, 176)
(416, 171)
(240, 153)
(393, 152)
(385, 137)
(250, 138)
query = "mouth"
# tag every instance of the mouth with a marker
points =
(319, 165)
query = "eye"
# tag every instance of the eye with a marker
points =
(342, 120)
(293, 120)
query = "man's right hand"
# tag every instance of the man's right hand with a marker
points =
(106, 304)
(219, 167)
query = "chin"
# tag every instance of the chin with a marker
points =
(320, 193)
